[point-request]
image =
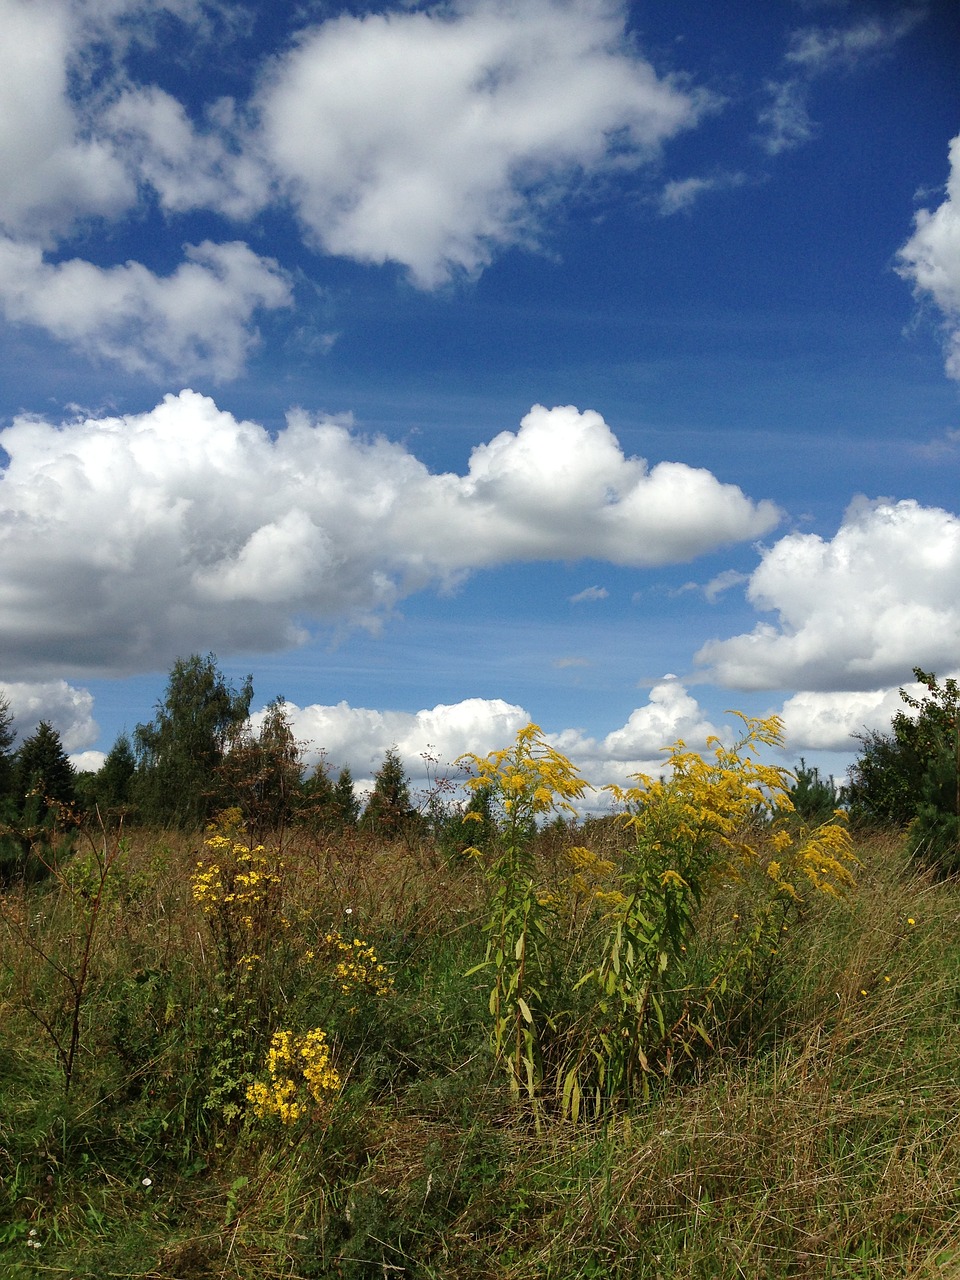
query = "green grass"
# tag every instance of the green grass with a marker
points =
(820, 1140)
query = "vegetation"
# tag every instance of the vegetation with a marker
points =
(910, 777)
(711, 1037)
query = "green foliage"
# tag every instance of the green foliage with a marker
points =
(8, 736)
(814, 798)
(911, 776)
(389, 811)
(180, 752)
(826, 1146)
(261, 774)
(344, 802)
(114, 783)
(634, 1000)
(44, 775)
(526, 781)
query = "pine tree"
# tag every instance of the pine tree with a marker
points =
(45, 781)
(344, 804)
(180, 752)
(113, 785)
(8, 736)
(388, 810)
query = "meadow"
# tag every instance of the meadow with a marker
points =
(697, 1040)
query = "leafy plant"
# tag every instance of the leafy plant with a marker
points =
(526, 781)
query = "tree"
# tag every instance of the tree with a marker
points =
(262, 773)
(45, 781)
(344, 802)
(814, 798)
(388, 810)
(8, 735)
(911, 776)
(180, 752)
(112, 787)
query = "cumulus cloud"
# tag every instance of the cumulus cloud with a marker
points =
(54, 171)
(670, 713)
(359, 737)
(432, 139)
(65, 708)
(813, 52)
(830, 721)
(931, 259)
(125, 541)
(196, 321)
(189, 168)
(856, 612)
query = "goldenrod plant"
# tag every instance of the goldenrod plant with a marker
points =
(526, 781)
(721, 816)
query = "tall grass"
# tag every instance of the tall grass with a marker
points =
(821, 1139)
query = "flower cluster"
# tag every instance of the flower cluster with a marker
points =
(239, 889)
(529, 778)
(722, 815)
(300, 1080)
(354, 965)
(590, 878)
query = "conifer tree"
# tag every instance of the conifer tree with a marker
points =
(113, 785)
(262, 773)
(344, 803)
(388, 809)
(44, 776)
(8, 736)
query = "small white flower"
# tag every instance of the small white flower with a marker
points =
(348, 911)
(146, 1182)
(32, 1231)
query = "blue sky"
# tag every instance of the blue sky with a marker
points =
(450, 366)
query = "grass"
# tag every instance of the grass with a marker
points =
(820, 1141)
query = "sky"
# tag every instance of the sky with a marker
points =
(452, 366)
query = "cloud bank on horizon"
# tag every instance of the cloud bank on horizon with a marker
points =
(422, 145)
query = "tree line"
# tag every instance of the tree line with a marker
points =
(199, 755)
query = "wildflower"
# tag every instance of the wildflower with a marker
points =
(146, 1182)
(911, 921)
(295, 1065)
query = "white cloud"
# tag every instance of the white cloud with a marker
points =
(189, 169)
(854, 613)
(817, 51)
(359, 737)
(722, 583)
(126, 541)
(434, 138)
(671, 713)
(65, 708)
(53, 170)
(196, 321)
(589, 593)
(830, 721)
(931, 259)
(681, 194)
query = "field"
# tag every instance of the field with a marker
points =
(813, 1130)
